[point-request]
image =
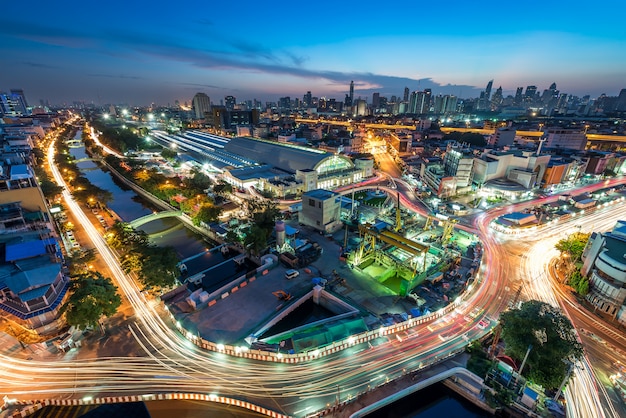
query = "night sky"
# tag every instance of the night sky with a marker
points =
(140, 52)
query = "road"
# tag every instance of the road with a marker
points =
(170, 363)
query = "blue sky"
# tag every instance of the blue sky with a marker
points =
(139, 52)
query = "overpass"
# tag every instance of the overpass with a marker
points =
(447, 129)
(153, 217)
(418, 386)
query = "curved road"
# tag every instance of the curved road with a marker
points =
(172, 364)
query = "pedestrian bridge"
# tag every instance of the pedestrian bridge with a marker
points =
(82, 160)
(153, 217)
(74, 143)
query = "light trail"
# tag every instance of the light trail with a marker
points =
(171, 363)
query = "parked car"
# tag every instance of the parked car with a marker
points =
(291, 274)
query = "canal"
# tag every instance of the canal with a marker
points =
(129, 206)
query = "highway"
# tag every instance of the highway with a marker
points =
(170, 363)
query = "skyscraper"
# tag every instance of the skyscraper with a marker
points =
(18, 95)
(531, 92)
(307, 99)
(230, 102)
(351, 93)
(488, 90)
(201, 104)
(406, 94)
(518, 95)
(375, 101)
(13, 104)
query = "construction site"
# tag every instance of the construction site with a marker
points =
(412, 255)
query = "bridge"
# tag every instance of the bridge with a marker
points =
(447, 129)
(82, 160)
(153, 217)
(74, 143)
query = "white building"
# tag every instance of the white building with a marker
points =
(604, 262)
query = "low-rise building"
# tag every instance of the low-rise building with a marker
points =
(604, 263)
(321, 210)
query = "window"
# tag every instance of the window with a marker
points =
(319, 205)
(311, 202)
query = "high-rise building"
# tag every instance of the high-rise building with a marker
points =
(230, 102)
(488, 90)
(518, 96)
(201, 105)
(621, 101)
(307, 99)
(13, 104)
(375, 101)
(284, 103)
(531, 92)
(406, 94)
(351, 93)
(419, 102)
(18, 96)
(497, 98)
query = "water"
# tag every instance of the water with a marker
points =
(435, 401)
(128, 206)
(306, 313)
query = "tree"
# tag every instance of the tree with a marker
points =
(573, 245)
(256, 239)
(550, 335)
(92, 296)
(206, 214)
(158, 269)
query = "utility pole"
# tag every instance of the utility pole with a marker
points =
(564, 382)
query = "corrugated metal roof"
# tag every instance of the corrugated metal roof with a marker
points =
(286, 157)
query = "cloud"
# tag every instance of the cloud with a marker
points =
(130, 77)
(40, 65)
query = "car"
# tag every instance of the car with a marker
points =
(291, 274)
(483, 324)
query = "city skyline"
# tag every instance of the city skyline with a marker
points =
(144, 53)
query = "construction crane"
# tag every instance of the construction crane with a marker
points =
(398, 216)
(282, 295)
(448, 228)
(429, 223)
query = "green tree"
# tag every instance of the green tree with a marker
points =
(91, 297)
(222, 188)
(256, 239)
(168, 154)
(158, 268)
(573, 245)
(551, 335)
(206, 214)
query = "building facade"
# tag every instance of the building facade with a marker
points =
(604, 263)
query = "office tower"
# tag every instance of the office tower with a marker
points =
(518, 95)
(375, 101)
(496, 100)
(621, 101)
(201, 105)
(488, 90)
(351, 93)
(230, 102)
(18, 95)
(531, 92)
(406, 94)
(307, 99)
(419, 102)
(284, 103)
